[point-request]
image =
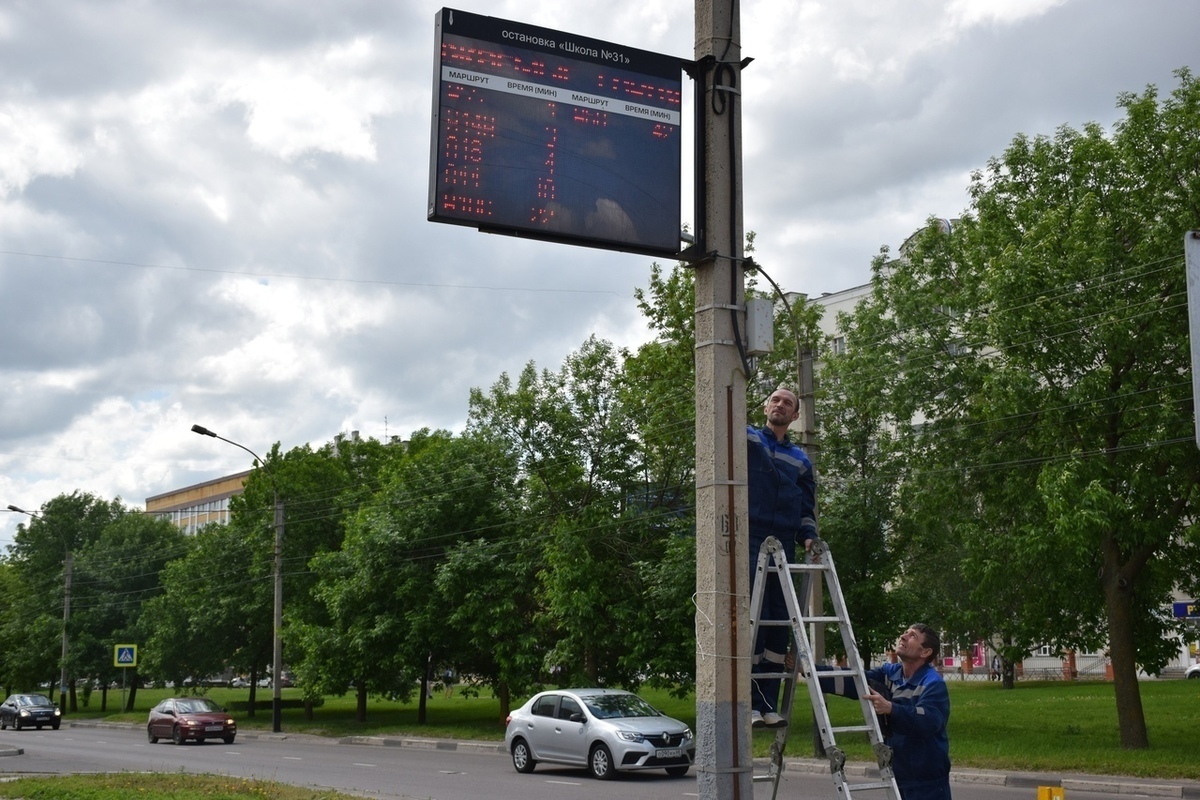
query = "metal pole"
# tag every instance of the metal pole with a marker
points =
(62, 683)
(277, 624)
(277, 643)
(723, 756)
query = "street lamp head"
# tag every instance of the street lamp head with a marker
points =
(203, 431)
(18, 510)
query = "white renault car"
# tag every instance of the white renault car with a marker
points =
(605, 730)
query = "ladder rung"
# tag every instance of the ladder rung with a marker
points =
(857, 787)
(803, 567)
(836, 673)
(852, 729)
(826, 620)
(767, 676)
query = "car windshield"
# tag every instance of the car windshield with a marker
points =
(611, 706)
(34, 700)
(197, 705)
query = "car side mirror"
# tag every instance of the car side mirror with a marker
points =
(170, 712)
(577, 717)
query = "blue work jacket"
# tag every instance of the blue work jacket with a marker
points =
(782, 489)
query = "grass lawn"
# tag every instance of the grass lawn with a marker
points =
(1051, 726)
(175, 786)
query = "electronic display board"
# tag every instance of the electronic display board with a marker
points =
(554, 136)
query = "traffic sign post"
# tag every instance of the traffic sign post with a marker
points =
(124, 656)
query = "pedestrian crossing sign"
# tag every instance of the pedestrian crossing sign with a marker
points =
(125, 655)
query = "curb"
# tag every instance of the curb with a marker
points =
(1106, 784)
(426, 744)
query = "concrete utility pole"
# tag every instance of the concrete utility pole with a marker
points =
(723, 758)
(62, 682)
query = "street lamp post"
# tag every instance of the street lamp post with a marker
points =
(276, 641)
(62, 681)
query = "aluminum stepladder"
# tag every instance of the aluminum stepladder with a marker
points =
(773, 565)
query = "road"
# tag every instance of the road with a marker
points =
(395, 773)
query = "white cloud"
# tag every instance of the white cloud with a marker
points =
(164, 167)
(324, 100)
(33, 142)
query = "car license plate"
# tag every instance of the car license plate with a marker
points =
(674, 752)
(213, 727)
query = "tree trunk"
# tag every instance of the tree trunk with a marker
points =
(133, 684)
(360, 707)
(1118, 601)
(505, 696)
(421, 704)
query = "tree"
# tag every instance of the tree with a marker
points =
(1041, 392)
(64, 525)
(115, 577)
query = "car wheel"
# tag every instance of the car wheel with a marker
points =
(521, 757)
(677, 772)
(177, 735)
(600, 762)
(17, 724)
(150, 735)
(227, 739)
(3, 724)
(54, 725)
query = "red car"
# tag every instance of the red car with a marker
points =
(183, 718)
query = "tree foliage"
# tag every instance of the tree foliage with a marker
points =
(1039, 395)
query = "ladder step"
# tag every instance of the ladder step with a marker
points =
(860, 787)
(852, 729)
(836, 673)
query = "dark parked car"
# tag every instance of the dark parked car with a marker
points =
(24, 710)
(183, 718)
(605, 730)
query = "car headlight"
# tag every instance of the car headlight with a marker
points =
(24, 713)
(57, 711)
(687, 734)
(631, 736)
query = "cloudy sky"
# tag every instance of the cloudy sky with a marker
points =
(215, 212)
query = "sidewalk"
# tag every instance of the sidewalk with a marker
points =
(1109, 784)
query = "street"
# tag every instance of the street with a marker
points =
(400, 773)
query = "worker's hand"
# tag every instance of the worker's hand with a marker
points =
(808, 544)
(881, 704)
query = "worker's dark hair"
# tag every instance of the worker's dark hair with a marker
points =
(930, 639)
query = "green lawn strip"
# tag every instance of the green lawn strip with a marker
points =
(1039, 726)
(172, 786)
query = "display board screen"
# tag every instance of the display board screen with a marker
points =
(555, 136)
